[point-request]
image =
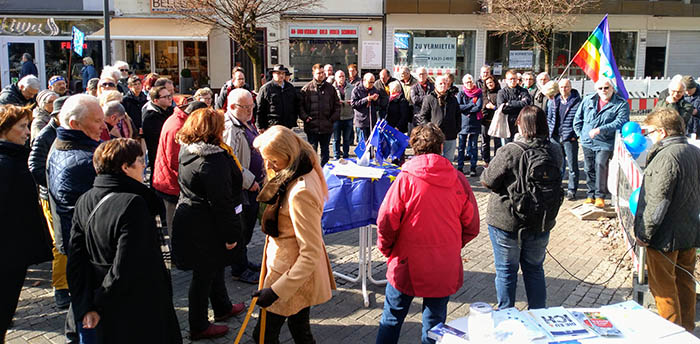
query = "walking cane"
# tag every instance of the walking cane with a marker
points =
(263, 311)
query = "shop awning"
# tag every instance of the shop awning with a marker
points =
(163, 29)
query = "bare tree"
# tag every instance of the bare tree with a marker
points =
(533, 23)
(240, 19)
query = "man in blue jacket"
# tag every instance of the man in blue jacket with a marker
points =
(69, 170)
(597, 119)
(560, 117)
(28, 66)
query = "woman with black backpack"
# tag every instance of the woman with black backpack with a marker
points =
(525, 180)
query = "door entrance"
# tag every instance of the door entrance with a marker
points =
(11, 53)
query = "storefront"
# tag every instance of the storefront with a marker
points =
(170, 47)
(439, 51)
(47, 39)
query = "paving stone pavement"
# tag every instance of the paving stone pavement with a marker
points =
(343, 319)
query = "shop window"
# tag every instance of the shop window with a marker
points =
(304, 53)
(195, 60)
(138, 56)
(167, 59)
(624, 46)
(56, 59)
(439, 51)
(505, 52)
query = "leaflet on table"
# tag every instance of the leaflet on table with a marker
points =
(559, 324)
(636, 322)
(511, 323)
(438, 332)
(594, 320)
(350, 169)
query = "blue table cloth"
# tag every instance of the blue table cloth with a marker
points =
(354, 202)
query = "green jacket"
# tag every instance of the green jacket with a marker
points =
(668, 211)
(683, 107)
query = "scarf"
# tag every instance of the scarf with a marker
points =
(275, 191)
(442, 98)
(474, 94)
(229, 150)
(394, 96)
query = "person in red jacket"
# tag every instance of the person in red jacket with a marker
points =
(166, 164)
(428, 215)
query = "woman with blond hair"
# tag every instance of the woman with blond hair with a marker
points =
(297, 274)
(204, 95)
(207, 222)
(88, 71)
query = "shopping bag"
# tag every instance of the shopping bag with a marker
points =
(499, 125)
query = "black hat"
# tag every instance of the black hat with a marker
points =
(58, 104)
(194, 106)
(279, 68)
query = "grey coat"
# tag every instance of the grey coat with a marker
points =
(499, 177)
(234, 136)
(346, 111)
(41, 119)
(668, 210)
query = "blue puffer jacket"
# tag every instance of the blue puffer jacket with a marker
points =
(469, 107)
(70, 173)
(566, 122)
(609, 119)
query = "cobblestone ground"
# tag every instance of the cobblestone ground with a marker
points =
(576, 244)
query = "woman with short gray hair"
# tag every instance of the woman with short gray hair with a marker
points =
(42, 111)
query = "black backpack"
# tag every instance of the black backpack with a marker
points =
(537, 194)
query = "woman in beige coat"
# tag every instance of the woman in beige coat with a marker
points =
(297, 272)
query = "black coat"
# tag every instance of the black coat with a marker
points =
(133, 104)
(365, 114)
(40, 153)
(278, 105)
(399, 113)
(516, 99)
(25, 235)
(320, 107)
(115, 266)
(383, 95)
(12, 95)
(447, 116)
(208, 212)
(153, 119)
(418, 94)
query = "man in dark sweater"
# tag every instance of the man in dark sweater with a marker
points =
(154, 115)
(513, 98)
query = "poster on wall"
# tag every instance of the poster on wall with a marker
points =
(520, 59)
(435, 52)
(371, 54)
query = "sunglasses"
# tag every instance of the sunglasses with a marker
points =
(124, 70)
(108, 84)
(605, 88)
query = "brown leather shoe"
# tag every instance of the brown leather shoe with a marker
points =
(235, 310)
(213, 331)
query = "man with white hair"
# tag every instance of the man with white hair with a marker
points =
(407, 81)
(239, 133)
(21, 93)
(596, 120)
(484, 73)
(365, 102)
(675, 100)
(539, 98)
(441, 108)
(342, 128)
(328, 71)
(69, 169)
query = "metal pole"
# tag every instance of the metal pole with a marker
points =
(384, 42)
(107, 58)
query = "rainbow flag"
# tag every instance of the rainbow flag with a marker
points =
(596, 57)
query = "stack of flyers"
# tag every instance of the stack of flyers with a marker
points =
(436, 333)
(559, 324)
(501, 319)
(597, 322)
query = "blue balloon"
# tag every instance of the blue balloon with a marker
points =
(634, 199)
(631, 128)
(635, 143)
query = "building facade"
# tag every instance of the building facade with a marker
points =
(649, 38)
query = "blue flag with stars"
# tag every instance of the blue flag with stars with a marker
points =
(390, 143)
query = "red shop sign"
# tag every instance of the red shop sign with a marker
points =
(323, 31)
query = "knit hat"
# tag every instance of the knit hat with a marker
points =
(688, 82)
(43, 97)
(550, 89)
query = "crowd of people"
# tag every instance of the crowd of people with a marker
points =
(94, 179)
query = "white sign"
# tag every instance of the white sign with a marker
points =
(323, 31)
(371, 54)
(520, 59)
(435, 52)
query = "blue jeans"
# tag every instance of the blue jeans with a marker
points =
(448, 149)
(396, 305)
(509, 254)
(595, 164)
(571, 154)
(342, 132)
(486, 144)
(472, 143)
(320, 139)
